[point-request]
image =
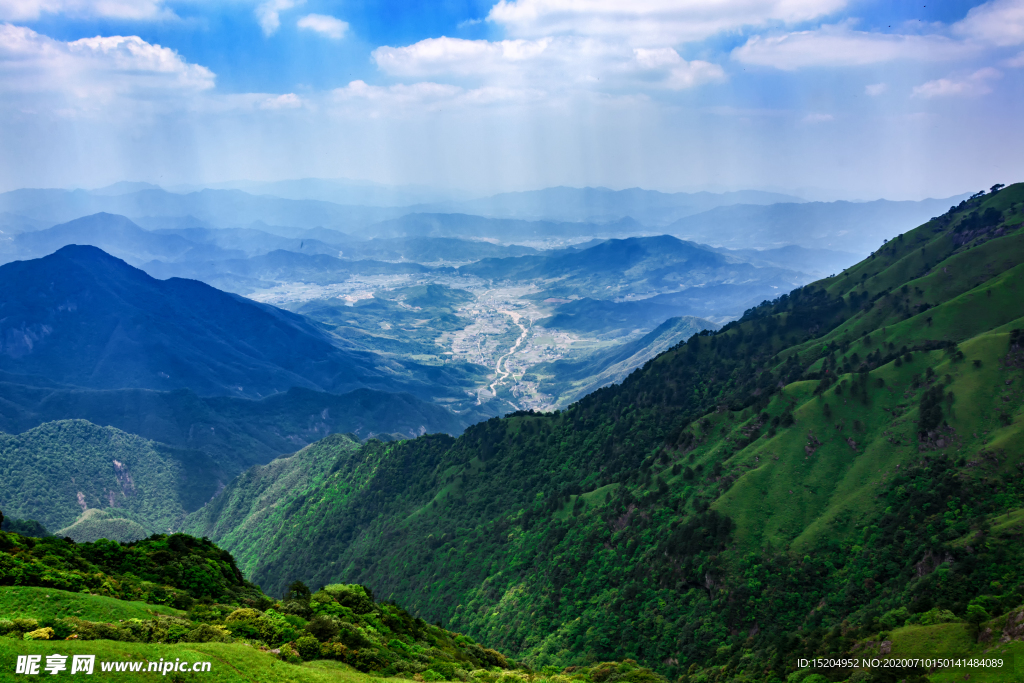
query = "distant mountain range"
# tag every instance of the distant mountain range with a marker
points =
(116, 235)
(224, 208)
(840, 226)
(244, 276)
(339, 191)
(85, 318)
(817, 262)
(734, 219)
(636, 266)
(601, 205)
(504, 229)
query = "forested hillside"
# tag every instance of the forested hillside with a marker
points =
(838, 462)
(61, 471)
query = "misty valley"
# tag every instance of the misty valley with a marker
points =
(515, 314)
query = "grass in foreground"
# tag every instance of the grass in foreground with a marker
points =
(230, 662)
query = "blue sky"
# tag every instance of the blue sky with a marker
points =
(833, 98)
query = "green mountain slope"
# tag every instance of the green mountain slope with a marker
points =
(838, 462)
(56, 472)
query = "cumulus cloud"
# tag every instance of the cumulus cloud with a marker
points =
(840, 45)
(269, 14)
(875, 89)
(1015, 62)
(999, 22)
(92, 71)
(651, 22)
(978, 83)
(30, 10)
(547, 62)
(323, 24)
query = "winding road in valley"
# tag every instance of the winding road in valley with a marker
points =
(502, 375)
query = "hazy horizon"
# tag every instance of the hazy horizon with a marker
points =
(453, 194)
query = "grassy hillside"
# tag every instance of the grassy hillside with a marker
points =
(118, 611)
(42, 604)
(61, 470)
(782, 487)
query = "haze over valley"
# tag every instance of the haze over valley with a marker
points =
(478, 312)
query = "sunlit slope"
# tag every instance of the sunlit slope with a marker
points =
(971, 294)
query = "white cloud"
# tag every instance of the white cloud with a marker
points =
(324, 25)
(971, 86)
(416, 93)
(1015, 62)
(287, 101)
(93, 70)
(651, 22)
(552, 62)
(875, 89)
(459, 57)
(676, 73)
(999, 22)
(818, 118)
(269, 14)
(30, 10)
(839, 45)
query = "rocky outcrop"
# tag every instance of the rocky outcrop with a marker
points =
(1013, 629)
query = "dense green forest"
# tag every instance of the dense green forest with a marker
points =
(841, 462)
